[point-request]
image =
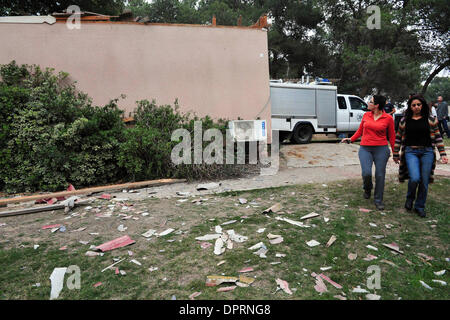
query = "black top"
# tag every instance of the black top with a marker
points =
(418, 132)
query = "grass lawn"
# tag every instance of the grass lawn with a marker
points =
(183, 265)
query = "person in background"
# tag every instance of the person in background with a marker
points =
(376, 128)
(389, 108)
(416, 138)
(433, 109)
(442, 115)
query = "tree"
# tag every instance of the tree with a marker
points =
(440, 86)
(45, 7)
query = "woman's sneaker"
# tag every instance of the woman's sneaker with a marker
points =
(380, 206)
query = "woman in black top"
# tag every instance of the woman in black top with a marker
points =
(418, 136)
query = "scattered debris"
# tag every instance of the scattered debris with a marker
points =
(393, 246)
(326, 219)
(51, 226)
(228, 222)
(149, 233)
(372, 296)
(166, 232)
(331, 241)
(312, 243)
(212, 281)
(280, 255)
(57, 282)
(443, 283)
(389, 263)
(221, 262)
(226, 289)
(372, 247)
(309, 216)
(195, 294)
(340, 297)
(275, 208)
(364, 210)
(296, 223)
(205, 245)
(276, 240)
(93, 253)
(79, 229)
(439, 273)
(372, 225)
(116, 243)
(108, 267)
(324, 277)
(242, 201)
(283, 285)
(208, 237)
(261, 230)
(36, 246)
(425, 285)
(98, 284)
(249, 269)
(358, 289)
(218, 247)
(352, 256)
(320, 285)
(428, 258)
(370, 257)
(121, 228)
(63, 248)
(136, 262)
(325, 268)
(151, 269)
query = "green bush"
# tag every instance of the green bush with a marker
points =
(51, 136)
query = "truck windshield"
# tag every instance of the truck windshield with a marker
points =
(357, 104)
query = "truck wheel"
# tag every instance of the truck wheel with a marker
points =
(302, 134)
(283, 136)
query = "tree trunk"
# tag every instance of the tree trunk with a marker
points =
(433, 74)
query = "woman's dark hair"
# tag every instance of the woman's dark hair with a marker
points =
(380, 101)
(425, 112)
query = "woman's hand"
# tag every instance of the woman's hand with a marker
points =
(347, 140)
(444, 160)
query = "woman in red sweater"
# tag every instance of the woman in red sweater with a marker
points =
(376, 128)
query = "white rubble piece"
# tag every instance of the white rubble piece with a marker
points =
(57, 281)
(236, 237)
(228, 222)
(136, 262)
(166, 232)
(257, 246)
(242, 201)
(331, 241)
(261, 230)
(296, 223)
(372, 296)
(358, 289)
(439, 273)
(425, 285)
(121, 228)
(372, 247)
(284, 285)
(442, 283)
(313, 243)
(149, 233)
(218, 229)
(309, 216)
(218, 247)
(208, 237)
(275, 208)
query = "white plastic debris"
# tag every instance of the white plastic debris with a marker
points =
(242, 201)
(372, 296)
(261, 230)
(218, 229)
(228, 222)
(439, 273)
(443, 283)
(358, 289)
(57, 280)
(371, 247)
(208, 237)
(257, 246)
(136, 262)
(425, 285)
(309, 216)
(121, 228)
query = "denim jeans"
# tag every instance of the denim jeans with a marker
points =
(419, 162)
(443, 128)
(380, 156)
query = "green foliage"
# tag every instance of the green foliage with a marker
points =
(439, 87)
(51, 135)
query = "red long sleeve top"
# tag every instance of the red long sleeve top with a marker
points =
(376, 133)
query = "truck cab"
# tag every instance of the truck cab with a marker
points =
(350, 110)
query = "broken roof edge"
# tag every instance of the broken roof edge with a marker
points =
(169, 24)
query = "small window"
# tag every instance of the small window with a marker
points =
(341, 103)
(357, 104)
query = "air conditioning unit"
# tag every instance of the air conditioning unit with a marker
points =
(248, 130)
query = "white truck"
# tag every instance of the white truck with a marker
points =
(301, 110)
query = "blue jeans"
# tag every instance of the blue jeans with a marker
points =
(380, 156)
(443, 128)
(419, 162)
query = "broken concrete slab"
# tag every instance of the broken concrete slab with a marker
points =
(312, 243)
(166, 232)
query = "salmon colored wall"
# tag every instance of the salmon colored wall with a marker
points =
(221, 72)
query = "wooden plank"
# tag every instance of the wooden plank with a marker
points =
(37, 209)
(131, 185)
